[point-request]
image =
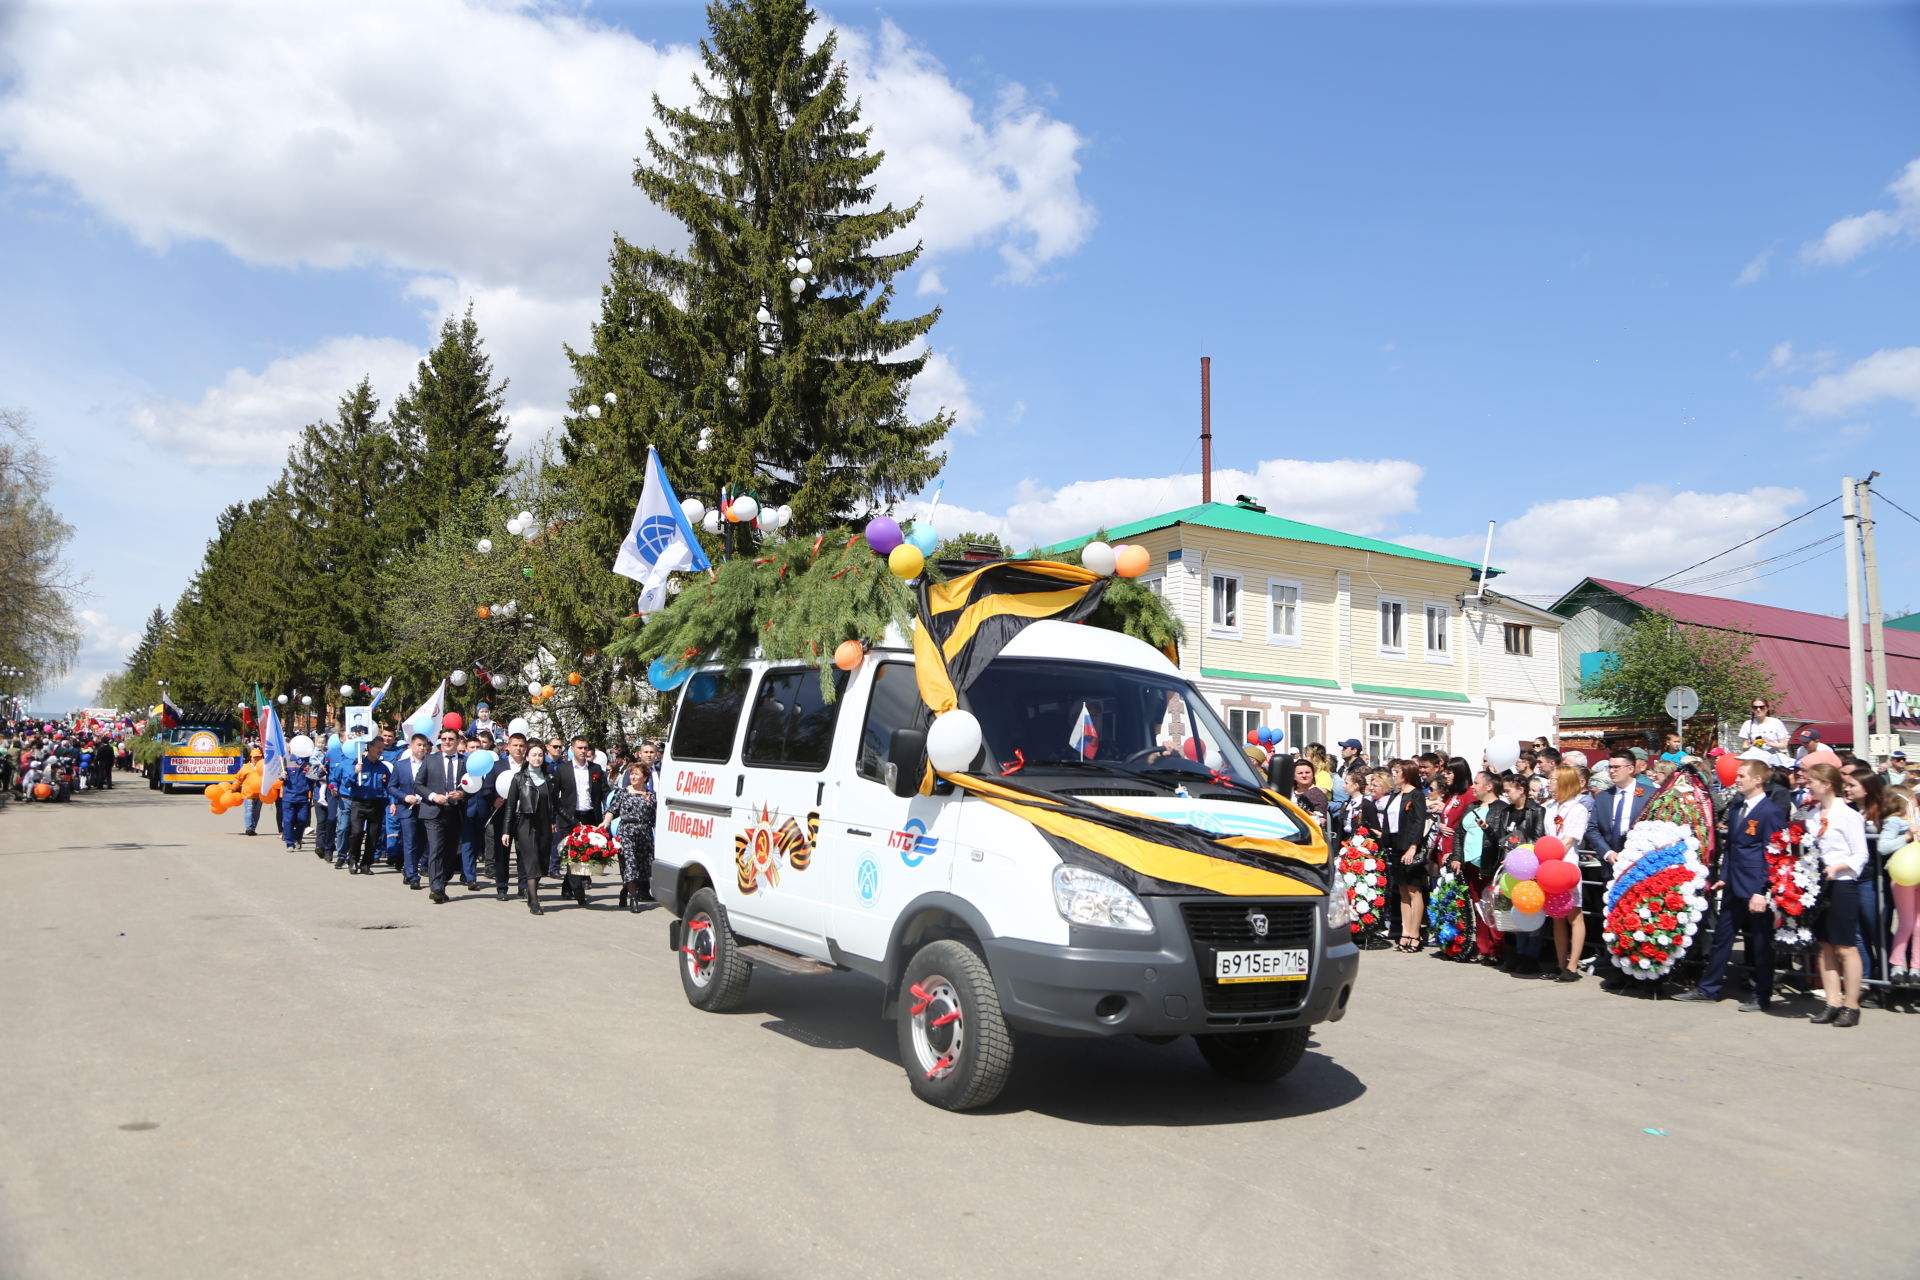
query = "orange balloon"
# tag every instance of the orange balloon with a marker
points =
(849, 655)
(483, 612)
(1528, 896)
(1132, 561)
(546, 691)
(41, 790)
(573, 677)
(214, 789)
(272, 794)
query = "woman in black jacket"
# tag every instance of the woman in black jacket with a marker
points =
(527, 822)
(1399, 814)
(1516, 819)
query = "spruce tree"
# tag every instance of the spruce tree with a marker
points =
(742, 382)
(451, 422)
(140, 662)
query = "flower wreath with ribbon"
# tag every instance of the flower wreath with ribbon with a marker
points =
(1363, 871)
(1793, 884)
(587, 850)
(1657, 899)
(1450, 917)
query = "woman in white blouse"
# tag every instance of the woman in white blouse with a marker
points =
(1567, 818)
(1840, 834)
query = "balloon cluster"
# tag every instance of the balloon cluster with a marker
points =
(1266, 736)
(1541, 879)
(1126, 560)
(741, 509)
(520, 526)
(906, 550)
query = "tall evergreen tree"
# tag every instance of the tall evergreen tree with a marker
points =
(140, 661)
(741, 381)
(348, 483)
(452, 421)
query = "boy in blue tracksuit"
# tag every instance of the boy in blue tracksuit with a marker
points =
(362, 784)
(296, 804)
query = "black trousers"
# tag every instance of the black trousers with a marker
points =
(366, 824)
(1757, 928)
(443, 846)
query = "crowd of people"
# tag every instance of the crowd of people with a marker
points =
(1433, 817)
(468, 804)
(53, 760)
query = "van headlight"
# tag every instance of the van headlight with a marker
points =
(1087, 897)
(1339, 911)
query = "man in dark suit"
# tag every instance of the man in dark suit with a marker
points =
(404, 796)
(443, 808)
(579, 796)
(1614, 813)
(1751, 823)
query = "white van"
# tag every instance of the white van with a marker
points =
(791, 835)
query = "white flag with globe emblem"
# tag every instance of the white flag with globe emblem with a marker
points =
(660, 541)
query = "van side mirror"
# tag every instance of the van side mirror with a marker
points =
(907, 754)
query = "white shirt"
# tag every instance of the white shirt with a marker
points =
(1390, 814)
(1771, 734)
(1840, 833)
(1568, 821)
(582, 785)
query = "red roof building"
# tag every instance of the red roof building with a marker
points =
(1807, 653)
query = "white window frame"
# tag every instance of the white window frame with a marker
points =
(1445, 652)
(1380, 626)
(1445, 745)
(1239, 605)
(1241, 719)
(1506, 639)
(1299, 596)
(1154, 582)
(1297, 741)
(1379, 758)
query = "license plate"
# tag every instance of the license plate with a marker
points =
(1260, 966)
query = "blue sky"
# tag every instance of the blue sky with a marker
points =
(1635, 281)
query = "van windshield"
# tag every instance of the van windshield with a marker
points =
(1044, 711)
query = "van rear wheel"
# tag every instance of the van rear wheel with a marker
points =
(1255, 1057)
(954, 1041)
(712, 971)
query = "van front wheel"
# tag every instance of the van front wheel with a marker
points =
(1254, 1057)
(712, 970)
(954, 1041)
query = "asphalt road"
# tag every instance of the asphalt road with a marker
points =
(220, 1059)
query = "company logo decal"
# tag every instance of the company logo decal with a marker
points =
(866, 881)
(913, 844)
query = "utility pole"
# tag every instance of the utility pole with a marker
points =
(1856, 657)
(1876, 620)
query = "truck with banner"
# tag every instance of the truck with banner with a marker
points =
(204, 747)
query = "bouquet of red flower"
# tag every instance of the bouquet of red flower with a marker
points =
(1364, 873)
(1793, 882)
(587, 851)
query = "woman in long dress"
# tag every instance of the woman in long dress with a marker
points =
(633, 806)
(529, 822)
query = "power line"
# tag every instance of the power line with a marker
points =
(1739, 569)
(1735, 547)
(1896, 506)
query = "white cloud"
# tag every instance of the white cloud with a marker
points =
(1637, 536)
(942, 386)
(249, 419)
(1355, 496)
(1892, 374)
(1781, 357)
(1756, 270)
(104, 647)
(1850, 237)
(483, 150)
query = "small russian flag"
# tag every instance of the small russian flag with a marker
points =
(1086, 735)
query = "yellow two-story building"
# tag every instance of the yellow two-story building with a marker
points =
(1328, 635)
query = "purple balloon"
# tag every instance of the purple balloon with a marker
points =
(883, 534)
(1522, 864)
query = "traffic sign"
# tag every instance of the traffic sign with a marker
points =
(1682, 702)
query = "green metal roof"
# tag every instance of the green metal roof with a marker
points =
(1909, 623)
(1223, 515)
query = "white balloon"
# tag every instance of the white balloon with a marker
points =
(1216, 761)
(593, 411)
(745, 508)
(804, 266)
(786, 515)
(611, 398)
(711, 522)
(733, 383)
(1502, 754)
(457, 679)
(514, 526)
(526, 517)
(300, 746)
(953, 741)
(346, 691)
(1525, 921)
(282, 699)
(306, 699)
(504, 783)
(484, 546)
(518, 725)
(533, 686)
(471, 783)
(797, 285)
(1098, 556)
(693, 509)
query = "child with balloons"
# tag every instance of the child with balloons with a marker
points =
(1559, 877)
